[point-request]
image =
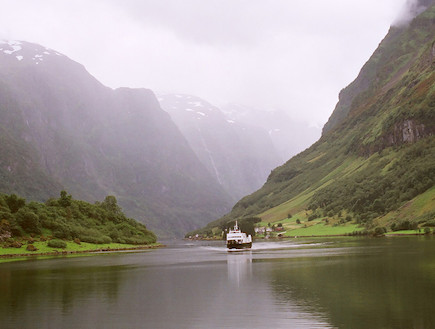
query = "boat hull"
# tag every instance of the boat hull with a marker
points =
(239, 245)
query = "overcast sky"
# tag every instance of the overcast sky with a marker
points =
(294, 55)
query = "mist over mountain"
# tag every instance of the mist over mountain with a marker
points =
(239, 156)
(62, 129)
(288, 136)
(412, 9)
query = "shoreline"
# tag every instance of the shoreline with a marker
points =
(389, 234)
(75, 252)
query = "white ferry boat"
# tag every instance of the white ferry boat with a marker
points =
(237, 239)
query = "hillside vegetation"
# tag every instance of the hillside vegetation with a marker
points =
(66, 219)
(376, 154)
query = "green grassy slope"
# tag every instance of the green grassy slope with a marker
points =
(377, 153)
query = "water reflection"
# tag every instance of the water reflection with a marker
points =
(29, 291)
(366, 283)
(239, 265)
(390, 288)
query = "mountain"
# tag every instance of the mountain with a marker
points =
(239, 156)
(289, 136)
(62, 129)
(374, 165)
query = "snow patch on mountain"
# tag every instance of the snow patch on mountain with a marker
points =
(12, 47)
(20, 49)
(196, 104)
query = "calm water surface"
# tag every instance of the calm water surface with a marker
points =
(302, 283)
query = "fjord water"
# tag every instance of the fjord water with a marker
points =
(299, 283)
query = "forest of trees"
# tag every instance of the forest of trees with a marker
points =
(68, 219)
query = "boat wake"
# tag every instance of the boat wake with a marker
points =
(264, 246)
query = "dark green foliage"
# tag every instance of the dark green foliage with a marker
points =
(74, 220)
(14, 203)
(56, 244)
(380, 231)
(65, 199)
(111, 204)
(404, 226)
(28, 221)
(313, 216)
(283, 175)
(429, 223)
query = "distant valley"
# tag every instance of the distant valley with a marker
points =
(239, 156)
(61, 129)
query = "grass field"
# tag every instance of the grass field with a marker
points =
(320, 229)
(73, 249)
(406, 232)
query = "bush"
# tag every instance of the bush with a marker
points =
(28, 221)
(380, 230)
(404, 225)
(430, 223)
(14, 202)
(16, 244)
(56, 244)
(31, 247)
(97, 239)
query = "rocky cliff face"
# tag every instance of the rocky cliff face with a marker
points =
(62, 129)
(407, 131)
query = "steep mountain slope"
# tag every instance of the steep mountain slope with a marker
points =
(240, 157)
(376, 157)
(62, 129)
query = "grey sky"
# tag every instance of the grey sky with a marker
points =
(294, 55)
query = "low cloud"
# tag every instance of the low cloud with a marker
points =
(291, 55)
(412, 9)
